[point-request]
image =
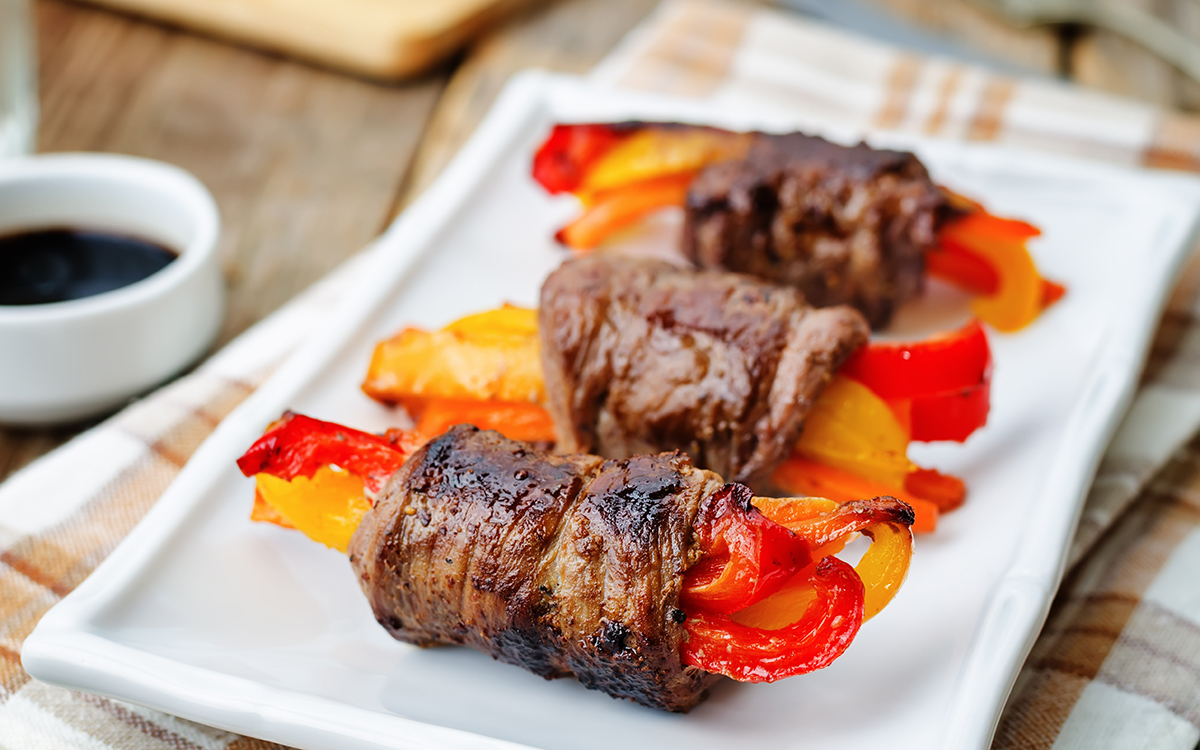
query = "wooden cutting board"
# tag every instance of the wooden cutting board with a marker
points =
(386, 39)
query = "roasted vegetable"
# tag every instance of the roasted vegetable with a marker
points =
(317, 476)
(987, 255)
(489, 356)
(942, 384)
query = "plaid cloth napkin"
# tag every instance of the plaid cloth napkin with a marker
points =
(1118, 663)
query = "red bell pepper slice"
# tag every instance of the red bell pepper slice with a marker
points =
(942, 384)
(750, 556)
(718, 644)
(569, 152)
(956, 264)
(297, 446)
(950, 361)
(747, 556)
(953, 415)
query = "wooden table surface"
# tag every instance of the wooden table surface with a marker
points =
(307, 165)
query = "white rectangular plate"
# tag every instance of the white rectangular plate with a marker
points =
(255, 629)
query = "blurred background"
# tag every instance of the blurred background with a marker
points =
(312, 149)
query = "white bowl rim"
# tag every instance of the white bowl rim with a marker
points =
(184, 187)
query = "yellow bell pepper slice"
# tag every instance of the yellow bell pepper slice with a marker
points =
(851, 428)
(326, 508)
(657, 152)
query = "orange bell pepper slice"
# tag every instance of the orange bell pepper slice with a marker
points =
(1052, 292)
(495, 355)
(945, 491)
(984, 224)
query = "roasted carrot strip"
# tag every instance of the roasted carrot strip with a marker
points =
(613, 209)
(799, 476)
(518, 420)
(1051, 292)
(946, 491)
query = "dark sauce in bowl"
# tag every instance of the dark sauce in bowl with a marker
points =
(57, 265)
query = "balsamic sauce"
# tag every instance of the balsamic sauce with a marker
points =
(56, 265)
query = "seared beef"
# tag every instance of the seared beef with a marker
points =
(641, 356)
(560, 564)
(842, 225)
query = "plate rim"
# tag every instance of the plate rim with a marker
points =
(64, 649)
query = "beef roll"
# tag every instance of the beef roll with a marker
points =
(641, 356)
(565, 565)
(842, 225)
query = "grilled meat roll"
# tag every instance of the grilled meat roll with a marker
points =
(842, 225)
(565, 565)
(641, 356)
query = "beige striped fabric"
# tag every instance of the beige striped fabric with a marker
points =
(732, 54)
(1118, 665)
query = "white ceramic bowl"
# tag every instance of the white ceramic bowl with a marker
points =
(66, 361)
